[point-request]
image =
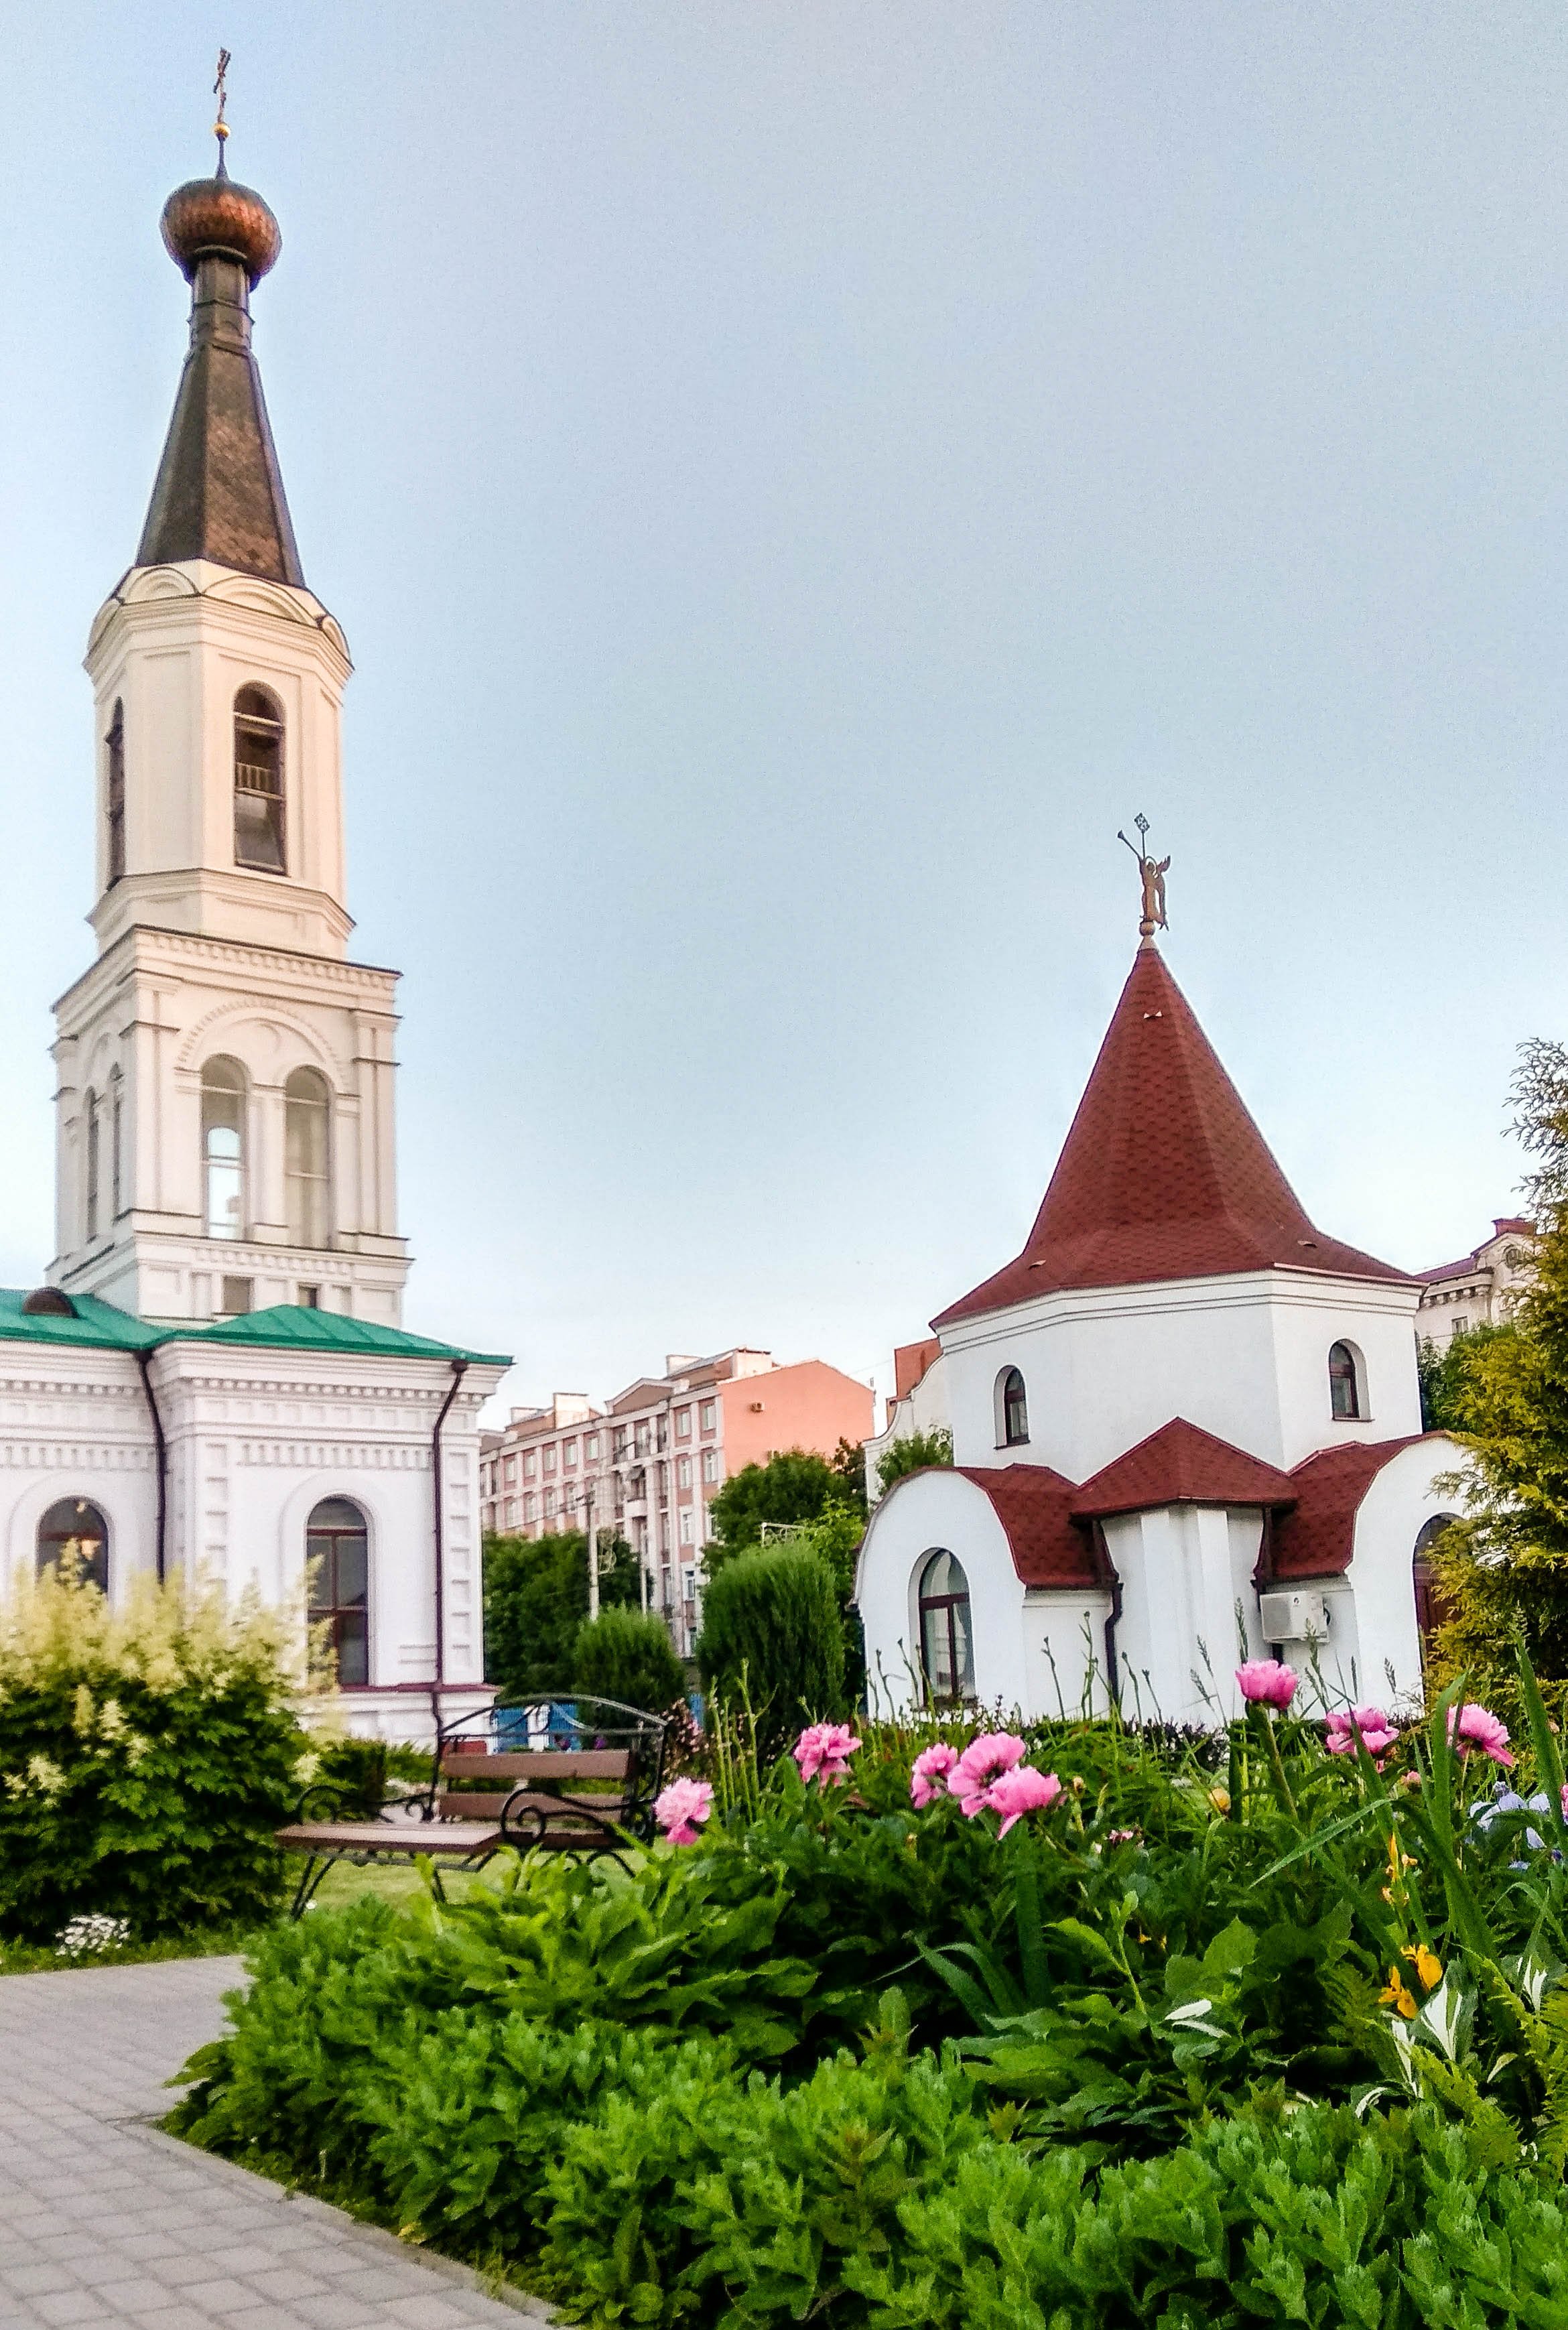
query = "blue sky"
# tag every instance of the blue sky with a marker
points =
(795, 479)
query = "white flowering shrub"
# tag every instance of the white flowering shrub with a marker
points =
(89, 1937)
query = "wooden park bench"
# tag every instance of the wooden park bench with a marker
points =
(586, 1787)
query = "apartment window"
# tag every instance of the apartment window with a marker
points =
(309, 1298)
(531, 1506)
(682, 1472)
(239, 1296)
(308, 1158)
(511, 1512)
(619, 1445)
(550, 1460)
(710, 1465)
(511, 1472)
(688, 1525)
(117, 1142)
(642, 1440)
(549, 1504)
(590, 1447)
(114, 794)
(528, 1464)
(223, 1147)
(92, 1149)
(569, 1452)
(1461, 1327)
(682, 1423)
(258, 781)
(338, 1569)
(710, 1416)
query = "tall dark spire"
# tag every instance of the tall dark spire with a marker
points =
(218, 493)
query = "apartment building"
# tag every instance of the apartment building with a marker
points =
(650, 1464)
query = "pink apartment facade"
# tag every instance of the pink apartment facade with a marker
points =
(656, 1456)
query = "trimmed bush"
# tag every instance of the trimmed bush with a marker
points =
(626, 1656)
(772, 1629)
(148, 1751)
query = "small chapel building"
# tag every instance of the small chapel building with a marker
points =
(1186, 1428)
(214, 1379)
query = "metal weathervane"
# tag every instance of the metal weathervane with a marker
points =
(220, 91)
(1153, 872)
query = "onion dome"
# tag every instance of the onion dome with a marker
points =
(219, 217)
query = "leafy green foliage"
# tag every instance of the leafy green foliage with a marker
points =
(536, 1605)
(148, 1752)
(772, 1631)
(793, 1486)
(624, 1655)
(913, 1452)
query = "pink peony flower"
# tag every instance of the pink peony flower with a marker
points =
(1019, 1790)
(1264, 1683)
(681, 1807)
(1476, 1727)
(983, 1759)
(823, 1752)
(928, 1779)
(1370, 1725)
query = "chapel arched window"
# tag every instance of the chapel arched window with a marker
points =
(1014, 1403)
(258, 829)
(94, 1138)
(1432, 1605)
(338, 1583)
(114, 794)
(74, 1537)
(308, 1158)
(1344, 1389)
(223, 1148)
(115, 1144)
(947, 1638)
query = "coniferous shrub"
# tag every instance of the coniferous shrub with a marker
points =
(148, 1750)
(772, 1633)
(624, 1655)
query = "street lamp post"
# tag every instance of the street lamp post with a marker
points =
(592, 1552)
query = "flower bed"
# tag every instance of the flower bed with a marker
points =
(1069, 2028)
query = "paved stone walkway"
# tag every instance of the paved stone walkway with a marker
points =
(103, 2219)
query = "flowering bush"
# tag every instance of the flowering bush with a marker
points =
(148, 1750)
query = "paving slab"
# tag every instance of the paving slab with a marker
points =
(106, 2219)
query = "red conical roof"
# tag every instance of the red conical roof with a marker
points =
(1164, 1175)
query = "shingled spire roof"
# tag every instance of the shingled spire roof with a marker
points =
(1164, 1175)
(218, 493)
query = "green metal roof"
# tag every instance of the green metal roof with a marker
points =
(285, 1327)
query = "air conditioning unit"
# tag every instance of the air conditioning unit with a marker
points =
(1296, 1617)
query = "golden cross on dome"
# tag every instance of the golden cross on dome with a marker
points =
(220, 91)
(1153, 871)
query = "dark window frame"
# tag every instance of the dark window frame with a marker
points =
(54, 1531)
(328, 1543)
(938, 1611)
(1014, 1409)
(1343, 1385)
(114, 793)
(260, 736)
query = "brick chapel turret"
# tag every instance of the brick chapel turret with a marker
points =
(224, 1103)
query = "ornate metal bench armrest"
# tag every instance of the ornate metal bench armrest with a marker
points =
(321, 1800)
(526, 1818)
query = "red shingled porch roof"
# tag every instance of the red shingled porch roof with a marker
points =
(1181, 1464)
(1162, 1175)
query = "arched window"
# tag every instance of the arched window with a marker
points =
(947, 1645)
(115, 1143)
(338, 1580)
(1344, 1389)
(258, 781)
(74, 1533)
(308, 1158)
(92, 1162)
(1012, 1409)
(114, 794)
(223, 1148)
(1430, 1607)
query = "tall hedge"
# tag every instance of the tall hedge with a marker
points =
(771, 1621)
(148, 1750)
(623, 1655)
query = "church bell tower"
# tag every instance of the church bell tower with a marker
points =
(224, 1103)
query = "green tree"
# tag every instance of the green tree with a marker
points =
(536, 1604)
(912, 1454)
(1502, 1568)
(1442, 1374)
(791, 1487)
(772, 1627)
(621, 1654)
(849, 1464)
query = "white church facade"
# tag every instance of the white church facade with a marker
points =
(1186, 1427)
(213, 1377)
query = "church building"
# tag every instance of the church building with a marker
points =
(1187, 1426)
(214, 1378)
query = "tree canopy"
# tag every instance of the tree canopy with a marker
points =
(536, 1602)
(913, 1452)
(791, 1487)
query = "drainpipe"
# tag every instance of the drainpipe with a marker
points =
(459, 1369)
(1113, 1578)
(144, 1367)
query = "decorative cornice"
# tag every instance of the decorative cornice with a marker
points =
(152, 944)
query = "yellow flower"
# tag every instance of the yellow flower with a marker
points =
(1429, 1968)
(1397, 1996)
(1221, 1799)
